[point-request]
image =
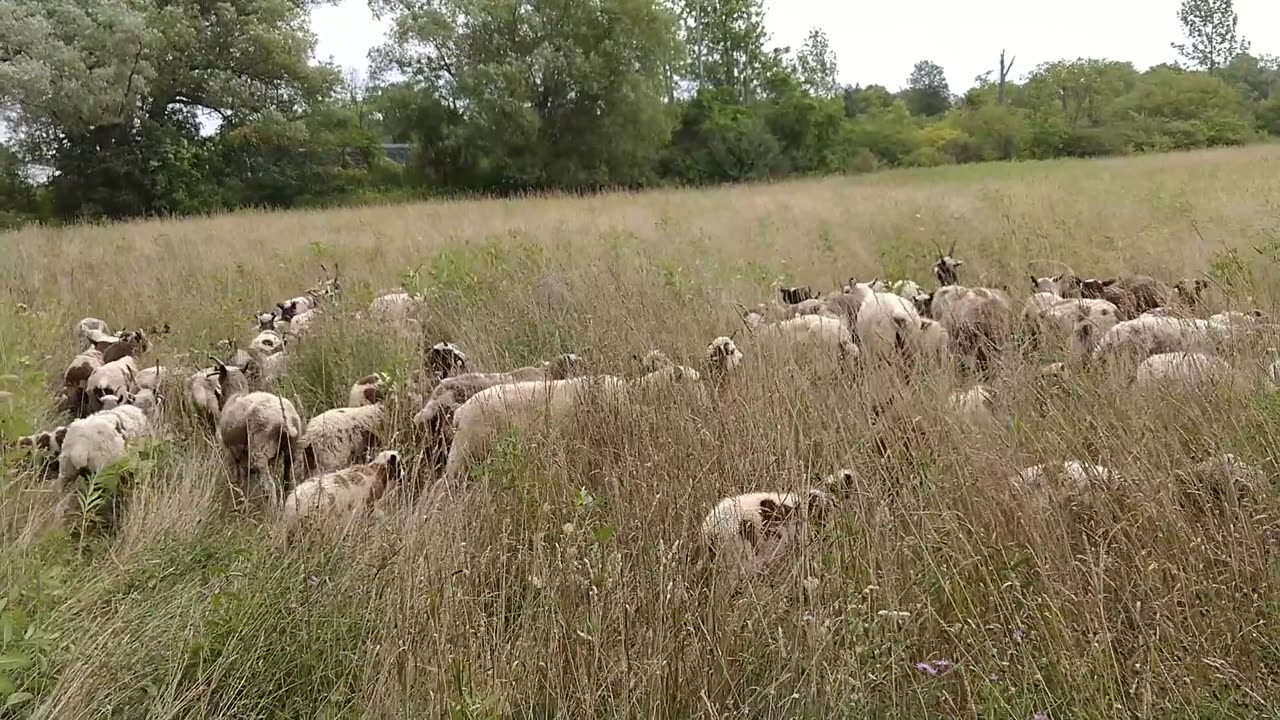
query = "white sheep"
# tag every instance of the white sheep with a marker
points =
(812, 335)
(93, 331)
(973, 406)
(204, 390)
(395, 307)
(256, 428)
(722, 357)
(1181, 370)
(112, 378)
(435, 419)
(886, 325)
(979, 320)
(366, 391)
(93, 443)
(336, 500)
(340, 437)
(539, 404)
(1051, 485)
(1082, 323)
(1147, 335)
(749, 531)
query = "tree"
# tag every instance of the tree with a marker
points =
(725, 42)
(816, 65)
(548, 93)
(927, 91)
(134, 80)
(860, 100)
(1210, 29)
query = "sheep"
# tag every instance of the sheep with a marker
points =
(1083, 322)
(979, 320)
(366, 391)
(1181, 369)
(204, 389)
(340, 437)
(795, 295)
(93, 330)
(266, 342)
(655, 360)
(751, 530)
(722, 357)
(946, 269)
(886, 324)
(1147, 291)
(444, 359)
(337, 499)
(256, 428)
(1072, 481)
(1147, 335)
(811, 333)
(45, 447)
(973, 406)
(394, 307)
(1222, 478)
(130, 343)
(151, 378)
(435, 419)
(295, 321)
(266, 358)
(93, 443)
(535, 404)
(111, 378)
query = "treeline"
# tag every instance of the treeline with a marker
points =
(189, 107)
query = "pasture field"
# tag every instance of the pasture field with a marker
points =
(570, 585)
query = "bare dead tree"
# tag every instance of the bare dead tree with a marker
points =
(1005, 69)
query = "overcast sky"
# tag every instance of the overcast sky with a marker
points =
(879, 42)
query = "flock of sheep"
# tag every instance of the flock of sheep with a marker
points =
(335, 468)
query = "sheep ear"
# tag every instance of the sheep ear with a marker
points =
(1034, 282)
(393, 467)
(1108, 283)
(27, 441)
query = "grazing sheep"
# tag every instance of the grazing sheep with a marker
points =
(1190, 292)
(93, 330)
(204, 389)
(1147, 291)
(340, 437)
(538, 404)
(973, 406)
(810, 333)
(721, 357)
(980, 321)
(366, 391)
(130, 343)
(335, 500)
(93, 443)
(45, 447)
(257, 428)
(1082, 322)
(112, 378)
(296, 322)
(435, 419)
(655, 360)
(751, 530)
(795, 295)
(1181, 370)
(1147, 335)
(886, 325)
(1223, 478)
(151, 378)
(1051, 485)
(395, 307)
(266, 342)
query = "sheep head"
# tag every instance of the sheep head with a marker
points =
(446, 359)
(233, 382)
(723, 356)
(389, 467)
(946, 269)
(795, 295)
(840, 483)
(564, 366)
(1190, 289)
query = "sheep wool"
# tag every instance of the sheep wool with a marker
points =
(337, 499)
(99, 440)
(339, 437)
(751, 530)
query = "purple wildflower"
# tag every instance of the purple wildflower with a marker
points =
(933, 668)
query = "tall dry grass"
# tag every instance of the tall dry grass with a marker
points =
(570, 586)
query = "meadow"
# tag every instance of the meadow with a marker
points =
(570, 586)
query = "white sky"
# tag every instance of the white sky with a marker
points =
(879, 42)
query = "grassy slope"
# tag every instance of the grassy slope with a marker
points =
(557, 593)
